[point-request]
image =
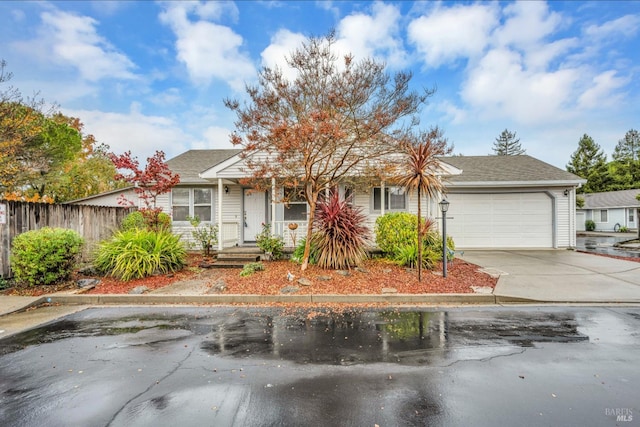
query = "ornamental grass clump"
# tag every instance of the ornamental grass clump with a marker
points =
(137, 253)
(340, 234)
(45, 256)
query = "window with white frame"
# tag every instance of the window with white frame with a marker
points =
(295, 208)
(191, 202)
(602, 215)
(632, 215)
(395, 199)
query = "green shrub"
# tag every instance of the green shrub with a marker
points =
(45, 256)
(298, 252)
(624, 229)
(589, 225)
(144, 219)
(138, 253)
(206, 236)
(397, 237)
(341, 235)
(269, 243)
(251, 268)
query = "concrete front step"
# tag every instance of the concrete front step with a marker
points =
(238, 257)
(229, 264)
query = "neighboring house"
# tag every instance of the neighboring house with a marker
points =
(610, 210)
(109, 198)
(495, 201)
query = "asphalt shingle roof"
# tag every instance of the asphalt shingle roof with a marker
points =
(504, 169)
(611, 199)
(190, 163)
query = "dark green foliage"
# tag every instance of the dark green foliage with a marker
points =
(298, 253)
(340, 234)
(397, 237)
(138, 253)
(252, 267)
(589, 225)
(45, 256)
(507, 144)
(269, 243)
(590, 162)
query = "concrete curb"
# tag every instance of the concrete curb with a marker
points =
(266, 299)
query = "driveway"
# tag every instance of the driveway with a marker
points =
(560, 275)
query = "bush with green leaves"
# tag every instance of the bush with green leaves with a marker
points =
(298, 252)
(590, 225)
(250, 268)
(340, 235)
(138, 253)
(142, 219)
(45, 256)
(397, 237)
(270, 243)
(206, 236)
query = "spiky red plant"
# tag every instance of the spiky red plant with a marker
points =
(340, 233)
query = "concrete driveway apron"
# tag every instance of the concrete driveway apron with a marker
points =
(560, 275)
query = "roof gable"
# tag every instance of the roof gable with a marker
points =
(191, 163)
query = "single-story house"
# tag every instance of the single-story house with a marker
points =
(495, 201)
(609, 210)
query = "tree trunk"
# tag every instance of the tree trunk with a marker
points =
(419, 238)
(307, 243)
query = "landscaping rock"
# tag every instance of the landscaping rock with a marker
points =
(361, 270)
(386, 270)
(304, 281)
(87, 284)
(138, 290)
(482, 289)
(389, 291)
(289, 289)
(344, 273)
(219, 287)
(323, 278)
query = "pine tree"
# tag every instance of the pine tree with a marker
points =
(507, 144)
(627, 160)
(590, 162)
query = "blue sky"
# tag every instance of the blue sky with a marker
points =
(146, 76)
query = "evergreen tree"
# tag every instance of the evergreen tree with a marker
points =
(590, 162)
(507, 144)
(627, 160)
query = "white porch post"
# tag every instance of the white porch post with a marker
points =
(220, 193)
(382, 197)
(273, 203)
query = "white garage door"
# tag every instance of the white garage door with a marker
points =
(509, 220)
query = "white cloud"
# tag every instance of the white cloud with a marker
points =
(528, 23)
(142, 134)
(602, 91)
(208, 50)
(283, 43)
(72, 40)
(448, 34)
(215, 137)
(500, 85)
(375, 35)
(625, 26)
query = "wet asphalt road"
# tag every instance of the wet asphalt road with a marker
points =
(560, 366)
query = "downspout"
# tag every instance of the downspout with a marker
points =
(220, 193)
(273, 203)
(554, 218)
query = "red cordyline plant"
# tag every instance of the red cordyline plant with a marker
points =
(339, 233)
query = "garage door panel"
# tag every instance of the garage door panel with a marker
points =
(500, 220)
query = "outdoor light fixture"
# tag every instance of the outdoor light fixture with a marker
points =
(226, 189)
(444, 207)
(566, 192)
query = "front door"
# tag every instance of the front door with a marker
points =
(254, 213)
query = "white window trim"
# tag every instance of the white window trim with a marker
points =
(598, 217)
(387, 191)
(192, 204)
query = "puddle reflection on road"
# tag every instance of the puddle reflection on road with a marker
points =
(347, 338)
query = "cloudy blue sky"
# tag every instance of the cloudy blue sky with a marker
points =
(149, 76)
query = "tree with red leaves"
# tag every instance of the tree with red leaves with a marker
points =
(155, 179)
(337, 119)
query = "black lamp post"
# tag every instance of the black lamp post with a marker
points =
(444, 207)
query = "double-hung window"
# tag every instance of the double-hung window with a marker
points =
(296, 207)
(602, 215)
(191, 202)
(395, 199)
(632, 214)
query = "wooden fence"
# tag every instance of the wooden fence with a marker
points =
(93, 223)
